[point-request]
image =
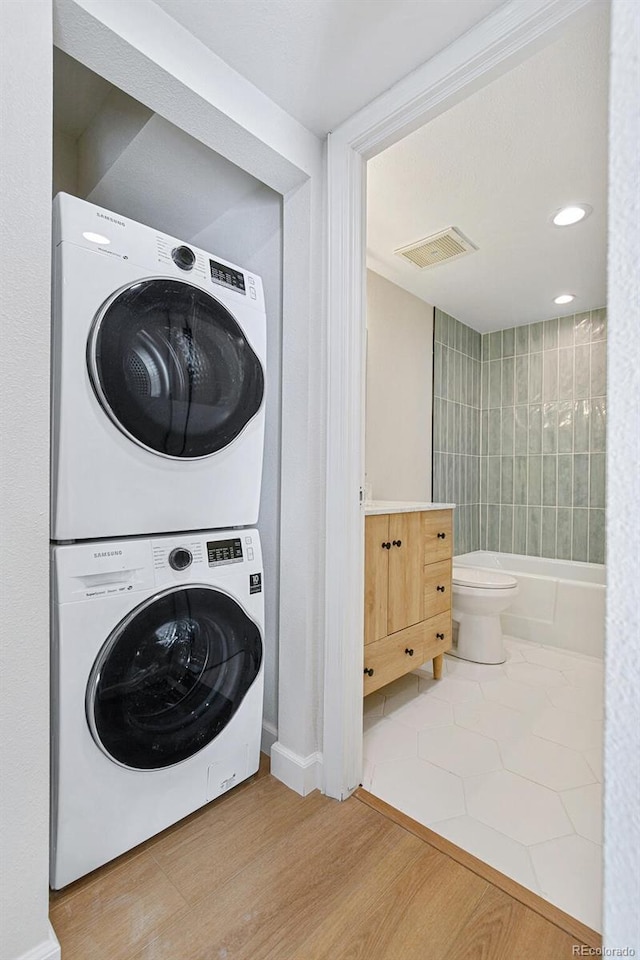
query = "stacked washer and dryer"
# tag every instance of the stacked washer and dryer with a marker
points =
(159, 360)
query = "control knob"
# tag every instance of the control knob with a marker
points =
(183, 257)
(180, 558)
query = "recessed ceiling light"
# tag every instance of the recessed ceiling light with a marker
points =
(565, 298)
(95, 237)
(566, 216)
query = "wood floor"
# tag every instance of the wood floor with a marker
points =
(263, 874)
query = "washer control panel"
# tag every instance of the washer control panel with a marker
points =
(180, 556)
(224, 551)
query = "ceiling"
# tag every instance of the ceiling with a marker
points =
(322, 60)
(497, 166)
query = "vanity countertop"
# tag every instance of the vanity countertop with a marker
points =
(402, 506)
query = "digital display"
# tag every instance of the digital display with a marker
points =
(224, 551)
(227, 275)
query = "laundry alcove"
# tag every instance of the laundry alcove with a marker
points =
(115, 152)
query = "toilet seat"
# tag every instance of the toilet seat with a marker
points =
(482, 579)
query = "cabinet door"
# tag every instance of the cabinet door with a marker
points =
(376, 576)
(406, 558)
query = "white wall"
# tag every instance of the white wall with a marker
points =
(25, 193)
(622, 728)
(65, 163)
(399, 392)
(118, 121)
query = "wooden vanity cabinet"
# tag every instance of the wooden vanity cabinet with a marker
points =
(407, 617)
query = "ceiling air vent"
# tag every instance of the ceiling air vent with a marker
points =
(441, 247)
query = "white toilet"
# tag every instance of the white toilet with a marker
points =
(479, 597)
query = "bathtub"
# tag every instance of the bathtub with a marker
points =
(560, 603)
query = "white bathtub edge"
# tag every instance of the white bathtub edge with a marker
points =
(556, 606)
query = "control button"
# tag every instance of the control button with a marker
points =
(183, 257)
(252, 293)
(252, 281)
(249, 553)
(248, 540)
(180, 558)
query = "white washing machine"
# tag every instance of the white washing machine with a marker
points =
(157, 657)
(159, 365)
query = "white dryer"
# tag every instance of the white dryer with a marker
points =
(157, 691)
(159, 365)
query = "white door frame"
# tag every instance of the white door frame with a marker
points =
(496, 45)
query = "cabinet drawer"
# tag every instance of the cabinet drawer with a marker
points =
(436, 582)
(438, 636)
(388, 657)
(437, 535)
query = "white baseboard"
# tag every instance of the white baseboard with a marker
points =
(302, 774)
(48, 949)
(269, 737)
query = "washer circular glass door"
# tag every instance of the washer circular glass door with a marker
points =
(171, 676)
(172, 368)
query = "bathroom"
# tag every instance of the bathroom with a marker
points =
(500, 399)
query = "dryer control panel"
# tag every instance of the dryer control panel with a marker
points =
(119, 239)
(220, 273)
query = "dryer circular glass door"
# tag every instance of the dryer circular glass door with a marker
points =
(171, 676)
(172, 368)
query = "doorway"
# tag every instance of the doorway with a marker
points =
(348, 763)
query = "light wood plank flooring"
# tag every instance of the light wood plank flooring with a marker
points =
(263, 874)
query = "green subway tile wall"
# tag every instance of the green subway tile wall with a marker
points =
(520, 433)
(544, 404)
(457, 426)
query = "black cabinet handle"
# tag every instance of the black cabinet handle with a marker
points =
(397, 543)
(439, 636)
(440, 588)
(369, 672)
(442, 536)
(386, 546)
(410, 652)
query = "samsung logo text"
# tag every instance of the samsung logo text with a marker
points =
(103, 216)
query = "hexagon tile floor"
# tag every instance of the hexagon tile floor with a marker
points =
(505, 761)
